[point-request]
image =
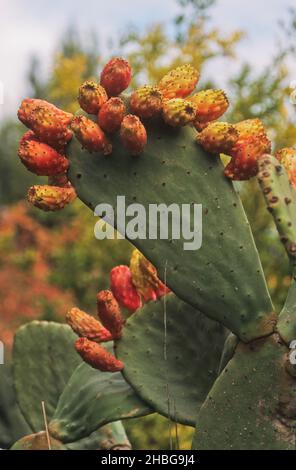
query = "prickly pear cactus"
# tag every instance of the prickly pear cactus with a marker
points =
(161, 146)
(44, 362)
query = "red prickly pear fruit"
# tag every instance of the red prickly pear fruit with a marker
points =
(209, 105)
(178, 112)
(111, 115)
(90, 135)
(146, 102)
(86, 326)
(109, 313)
(40, 158)
(133, 134)
(287, 157)
(116, 76)
(123, 288)
(91, 97)
(50, 198)
(97, 356)
(49, 123)
(60, 180)
(145, 279)
(179, 83)
(218, 137)
(244, 162)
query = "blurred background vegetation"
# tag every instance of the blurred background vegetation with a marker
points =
(50, 262)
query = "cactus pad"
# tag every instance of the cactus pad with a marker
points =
(44, 359)
(171, 359)
(252, 403)
(12, 423)
(174, 169)
(91, 399)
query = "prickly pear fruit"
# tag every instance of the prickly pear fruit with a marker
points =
(146, 102)
(90, 135)
(50, 198)
(253, 128)
(218, 137)
(133, 134)
(60, 180)
(250, 127)
(111, 115)
(178, 112)
(244, 164)
(86, 326)
(49, 123)
(97, 356)
(116, 76)
(91, 97)
(287, 157)
(179, 83)
(209, 105)
(40, 158)
(123, 288)
(109, 313)
(144, 277)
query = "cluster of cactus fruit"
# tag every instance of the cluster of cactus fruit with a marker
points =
(194, 333)
(130, 286)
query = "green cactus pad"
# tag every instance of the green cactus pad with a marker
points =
(224, 278)
(12, 423)
(43, 360)
(252, 403)
(171, 354)
(112, 436)
(92, 399)
(280, 198)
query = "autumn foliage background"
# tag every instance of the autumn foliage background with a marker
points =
(51, 262)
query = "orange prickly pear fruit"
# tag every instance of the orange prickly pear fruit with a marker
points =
(109, 313)
(179, 83)
(123, 288)
(209, 105)
(90, 135)
(111, 115)
(50, 198)
(253, 128)
(146, 102)
(144, 277)
(133, 134)
(244, 162)
(287, 157)
(218, 137)
(249, 128)
(86, 326)
(178, 112)
(97, 356)
(91, 97)
(26, 108)
(49, 123)
(40, 158)
(116, 76)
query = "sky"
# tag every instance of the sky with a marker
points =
(34, 27)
